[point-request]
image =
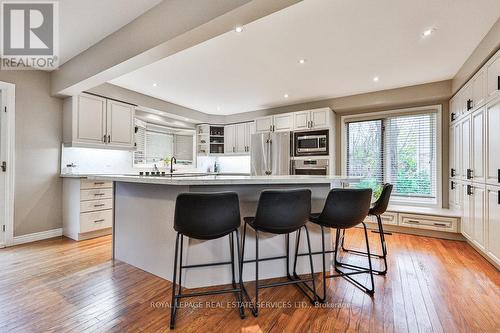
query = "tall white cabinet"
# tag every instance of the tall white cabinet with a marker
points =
(475, 158)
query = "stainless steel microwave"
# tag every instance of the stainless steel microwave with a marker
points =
(310, 143)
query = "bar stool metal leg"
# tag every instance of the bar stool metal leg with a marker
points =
(173, 305)
(296, 277)
(383, 245)
(356, 269)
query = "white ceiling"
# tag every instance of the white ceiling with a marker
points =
(346, 44)
(82, 23)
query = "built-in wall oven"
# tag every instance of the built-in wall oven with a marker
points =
(310, 143)
(313, 166)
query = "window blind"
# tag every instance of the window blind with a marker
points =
(401, 150)
(183, 147)
(140, 142)
(410, 155)
(158, 146)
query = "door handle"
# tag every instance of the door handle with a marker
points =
(498, 82)
(104, 138)
(453, 172)
(469, 174)
(453, 116)
(109, 138)
(469, 104)
(4, 167)
(452, 185)
(469, 190)
(99, 221)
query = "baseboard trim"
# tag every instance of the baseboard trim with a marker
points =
(37, 236)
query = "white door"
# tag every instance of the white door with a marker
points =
(240, 136)
(465, 147)
(229, 147)
(301, 120)
(466, 224)
(250, 130)
(493, 142)
(493, 75)
(120, 124)
(320, 118)
(478, 210)
(283, 122)
(91, 119)
(3, 174)
(457, 150)
(264, 124)
(493, 222)
(477, 157)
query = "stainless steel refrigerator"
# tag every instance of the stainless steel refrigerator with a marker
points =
(270, 154)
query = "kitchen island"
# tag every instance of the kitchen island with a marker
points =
(143, 233)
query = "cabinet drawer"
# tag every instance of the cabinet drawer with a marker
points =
(96, 220)
(94, 205)
(90, 184)
(388, 218)
(429, 222)
(104, 193)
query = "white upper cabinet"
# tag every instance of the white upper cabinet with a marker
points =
(120, 124)
(229, 139)
(96, 122)
(237, 138)
(295, 121)
(492, 70)
(478, 86)
(264, 124)
(493, 142)
(283, 122)
(90, 125)
(302, 120)
(240, 136)
(320, 118)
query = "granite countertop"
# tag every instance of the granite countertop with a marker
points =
(224, 179)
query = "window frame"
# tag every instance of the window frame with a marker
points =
(437, 109)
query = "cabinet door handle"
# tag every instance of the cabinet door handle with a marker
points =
(469, 104)
(453, 172)
(469, 174)
(104, 138)
(109, 138)
(499, 197)
(498, 82)
(452, 185)
(453, 114)
(440, 224)
(98, 194)
(99, 183)
(101, 205)
(469, 190)
(414, 221)
(99, 221)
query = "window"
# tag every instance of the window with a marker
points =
(156, 143)
(401, 150)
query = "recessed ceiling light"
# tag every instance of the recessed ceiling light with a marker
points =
(428, 32)
(218, 108)
(302, 61)
(376, 78)
(285, 95)
(155, 84)
(238, 29)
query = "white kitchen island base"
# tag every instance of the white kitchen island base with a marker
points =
(143, 233)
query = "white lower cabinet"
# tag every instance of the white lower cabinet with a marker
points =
(493, 223)
(388, 218)
(473, 214)
(429, 222)
(87, 208)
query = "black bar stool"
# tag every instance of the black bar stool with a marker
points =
(279, 212)
(344, 209)
(206, 216)
(378, 208)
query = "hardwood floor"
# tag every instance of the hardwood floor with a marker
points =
(433, 285)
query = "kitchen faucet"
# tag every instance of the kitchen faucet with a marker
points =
(155, 168)
(172, 161)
